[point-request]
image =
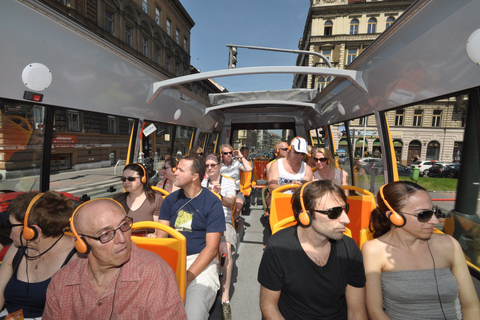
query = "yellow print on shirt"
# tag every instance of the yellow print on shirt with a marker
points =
(184, 221)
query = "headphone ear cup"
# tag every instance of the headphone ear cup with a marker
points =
(304, 219)
(30, 234)
(174, 169)
(397, 219)
(82, 245)
(144, 179)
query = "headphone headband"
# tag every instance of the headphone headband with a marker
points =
(396, 218)
(304, 217)
(81, 244)
(144, 178)
(28, 233)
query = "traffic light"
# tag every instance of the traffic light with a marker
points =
(232, 58)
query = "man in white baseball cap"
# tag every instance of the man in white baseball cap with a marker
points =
(290, 169)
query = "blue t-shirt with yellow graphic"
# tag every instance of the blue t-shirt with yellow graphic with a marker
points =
(193, 217)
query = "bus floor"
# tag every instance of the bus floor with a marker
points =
(245, 289)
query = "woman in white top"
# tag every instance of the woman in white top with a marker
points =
(326, 168)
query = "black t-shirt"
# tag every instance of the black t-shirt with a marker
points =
(309, 291)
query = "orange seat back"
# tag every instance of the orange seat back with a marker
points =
(246, 183)
(162, 191)
(259, 171)
(361, 207)
(281, 205)
(173, 250)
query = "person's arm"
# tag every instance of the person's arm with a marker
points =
(374, 297)
(344, 175)
(205, 256)
(161, 233)
(247, 166)
(228, 201)
(308, 174)
(466, 290)
(273, 177)
(6, 271)
(269, 304)
(355, 298)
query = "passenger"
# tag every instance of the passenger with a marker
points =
(196, 151)
(167, 171)
(232, 169)
(224, 186)
(246, 154)
(117, 280)
(29, 264)
(311, 271)
(139, 200)
(326, 170)
(290, 169)
(413, 273)
(280, 152)
(198, 215)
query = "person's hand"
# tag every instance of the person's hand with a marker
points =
(151, 235)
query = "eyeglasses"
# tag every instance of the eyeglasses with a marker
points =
(424, 216)
(165, 168)
(225, 153)
(200, 153)
(320, 159)
(283, 149)
(8, 225)
(109, 235)
(335, 212)
(296, 152)
(213, 165)
(128, 178)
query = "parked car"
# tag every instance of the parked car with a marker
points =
(444, 170)
(367, 163)
(424, 165)
(403, 171)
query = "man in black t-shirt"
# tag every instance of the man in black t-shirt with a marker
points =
(311, 271)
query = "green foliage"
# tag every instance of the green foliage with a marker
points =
(436, 184)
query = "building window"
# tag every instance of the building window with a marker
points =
(354, 26)
(372, 25)
(185, 44)
(169, 27)
(437, 118)
(177, 36)
(145, 5)
(417, 118)
(321, 83)
(177, 71)
(399, 116)
(112, 127)
(361, 121)
(129, 35)
(390, 20)
(169, 64)
(327, 54)
(130, 125)
(158, 55)
(158, 15)
(108, 21)
(144, 47)
(328, 28)
(352, 54)
(73, 121)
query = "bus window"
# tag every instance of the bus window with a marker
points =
(261, 142)
(183, 140)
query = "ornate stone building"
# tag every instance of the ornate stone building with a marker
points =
(340, 30)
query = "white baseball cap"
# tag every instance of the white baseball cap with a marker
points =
(299, 145)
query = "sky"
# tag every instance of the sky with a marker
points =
(263, 23)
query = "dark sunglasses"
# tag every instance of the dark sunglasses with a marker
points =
(284, 149)
(8, 225)
(335, 212)
(128, 178)
(165, 168)
(424, 216)
(320, 159)
(225, 153)
(211, 165)
(200, 153)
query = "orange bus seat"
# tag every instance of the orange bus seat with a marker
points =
(246, 183)
(259, 172)
(361, 207)
(173, 250)
(162, 191)
(281, 204)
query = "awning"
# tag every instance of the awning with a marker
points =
(376, 143)
(360, 143)
(397, 143)
(343, 142)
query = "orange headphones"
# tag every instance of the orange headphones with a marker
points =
(290, 146)
(81, 244)
(30, 234)
(174, 168)
(144, 178)
(396, 218)
(304, 217)
(277, 150)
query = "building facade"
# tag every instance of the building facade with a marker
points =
(340, 30)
